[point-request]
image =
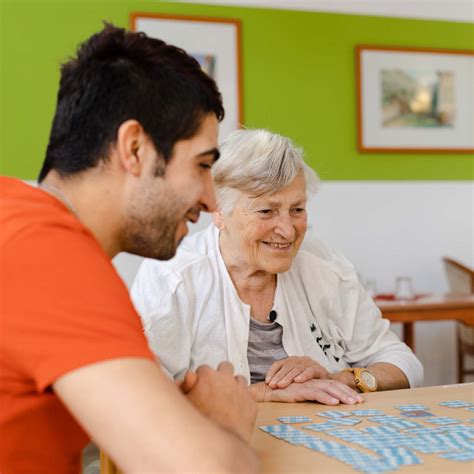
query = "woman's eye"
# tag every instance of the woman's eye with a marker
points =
(265, 212)
(299, 210)
(205, 166)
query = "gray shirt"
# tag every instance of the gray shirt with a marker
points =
(264, 348)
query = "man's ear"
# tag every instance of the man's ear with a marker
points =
(132, 145)
(218, 220)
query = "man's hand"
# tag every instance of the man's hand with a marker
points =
(137, 416)
(222, 397)
(327, 392)
(294, 369)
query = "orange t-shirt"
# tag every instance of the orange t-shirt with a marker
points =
(62, 306)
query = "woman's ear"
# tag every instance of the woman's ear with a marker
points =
(218, 220)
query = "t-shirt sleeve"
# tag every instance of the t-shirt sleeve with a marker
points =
(67, 307)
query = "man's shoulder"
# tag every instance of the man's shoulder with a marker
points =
(26, 212)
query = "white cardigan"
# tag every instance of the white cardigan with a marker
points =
(192, 314)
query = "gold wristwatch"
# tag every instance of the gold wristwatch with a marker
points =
(363, 379)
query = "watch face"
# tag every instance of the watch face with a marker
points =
(368, 379)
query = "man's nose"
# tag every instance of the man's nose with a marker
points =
(208, 200)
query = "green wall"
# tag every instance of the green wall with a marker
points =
(298, 71)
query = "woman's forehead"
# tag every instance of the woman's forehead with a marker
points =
(274, 199)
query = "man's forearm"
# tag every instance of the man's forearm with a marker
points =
(236, 455)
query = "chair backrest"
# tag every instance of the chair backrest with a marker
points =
(460, 278)
(107, 466)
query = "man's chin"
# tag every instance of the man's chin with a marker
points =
(162, 254)
(167, 256)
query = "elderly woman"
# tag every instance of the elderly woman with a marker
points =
(295, 322)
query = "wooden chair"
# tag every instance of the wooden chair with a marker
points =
(461, 280)
(107, 466)
(96, 461)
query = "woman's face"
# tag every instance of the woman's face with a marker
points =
(265, 232)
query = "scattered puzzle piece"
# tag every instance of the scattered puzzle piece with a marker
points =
(394, 422)
(415, 413)
(456, 404)
(294, 419)
(368, 413)
(399, 455)
(459, 455)
(411, 407)
(347, 421)
(334, 414)
(328, 425)
(442, 420)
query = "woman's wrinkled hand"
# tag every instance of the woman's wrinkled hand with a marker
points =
(327, 392)
(294, 369)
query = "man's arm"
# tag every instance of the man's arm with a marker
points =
(144, 422)
(389, 377)
(206, 391)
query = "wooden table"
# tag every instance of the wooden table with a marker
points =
(277, 456)
(436, 307)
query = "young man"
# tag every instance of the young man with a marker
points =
(127, 165)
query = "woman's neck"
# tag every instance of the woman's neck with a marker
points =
(255, 287)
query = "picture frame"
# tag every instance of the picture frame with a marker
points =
(215, 43)
(414, 100)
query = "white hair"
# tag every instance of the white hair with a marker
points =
(258, 162)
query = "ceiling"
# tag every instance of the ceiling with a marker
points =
(446, 10)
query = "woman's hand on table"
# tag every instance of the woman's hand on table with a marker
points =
(327, 392)
(284, 372)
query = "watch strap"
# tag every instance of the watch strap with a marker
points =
(359, 383)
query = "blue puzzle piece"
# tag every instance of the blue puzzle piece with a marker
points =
(459, 456)
(442, 420)
(294, 419)
(399, 455)
(456, 404)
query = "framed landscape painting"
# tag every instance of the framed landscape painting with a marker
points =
(214, 43)
(415, 100)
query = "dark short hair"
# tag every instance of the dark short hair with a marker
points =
(120, 75)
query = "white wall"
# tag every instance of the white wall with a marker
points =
(390, 229)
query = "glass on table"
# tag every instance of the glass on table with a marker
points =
(404, 289)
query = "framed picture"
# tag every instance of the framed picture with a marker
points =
(415, 100)
(215, 43)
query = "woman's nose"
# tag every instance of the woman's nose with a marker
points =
(285, 227)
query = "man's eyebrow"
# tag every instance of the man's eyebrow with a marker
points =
(213, 151)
